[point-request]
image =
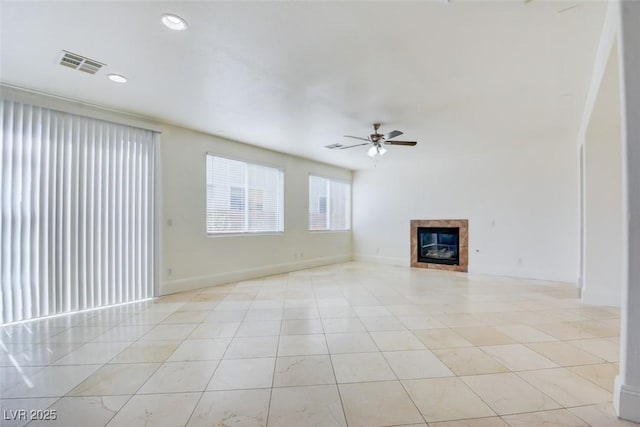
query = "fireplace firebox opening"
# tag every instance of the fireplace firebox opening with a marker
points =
(439, 245)
(442, 244)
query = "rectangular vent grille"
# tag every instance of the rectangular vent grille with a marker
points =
(334, 146)
(79, 62)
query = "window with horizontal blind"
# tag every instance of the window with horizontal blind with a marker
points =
(329, 204)
(243, 197)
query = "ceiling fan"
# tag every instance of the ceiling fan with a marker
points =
(378, 140)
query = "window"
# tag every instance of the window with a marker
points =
(236, 198)
(322, 204)
(243, 197)
(329, 204)
(256, 199)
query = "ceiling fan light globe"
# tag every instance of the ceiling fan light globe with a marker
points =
(381, 150)
(372, 151)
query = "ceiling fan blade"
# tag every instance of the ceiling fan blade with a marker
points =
(392, 134)
(408, 143)
(356, 137)
(357, 145)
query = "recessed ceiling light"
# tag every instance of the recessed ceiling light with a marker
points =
(174, 22)
(117, 78)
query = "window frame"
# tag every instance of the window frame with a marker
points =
(247, 189)
(328, 204)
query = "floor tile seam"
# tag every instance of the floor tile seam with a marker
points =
(225, 351)
(392, 380)
(398, 351)
(199, 400)
(140, 339)
(415, 405)
(460, 378)
(567, 368)
(100, 366)
(89, 363)
(552, 399)
(568, 409)
(57, 399)
(481, 348)
(584, 406)
(391, 369)
(38, 341)
(376, 343)
(568, 342)
(333, 370)
(130, 397)
(587, 378)
(600, 360)
(19, 384)
(39, 368)
(83, 342)
(594, 354)
(275, 363)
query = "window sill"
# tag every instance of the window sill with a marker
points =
(244, 234)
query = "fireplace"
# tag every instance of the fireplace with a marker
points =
(440, 243)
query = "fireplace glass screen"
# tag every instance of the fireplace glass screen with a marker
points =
(438, 245)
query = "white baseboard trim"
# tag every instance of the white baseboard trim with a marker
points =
(377, 259)
(601, 298)
(478, 269)
(532, 274)
(197, 282)
(626, 400)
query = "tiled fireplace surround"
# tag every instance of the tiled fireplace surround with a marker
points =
(462, 224)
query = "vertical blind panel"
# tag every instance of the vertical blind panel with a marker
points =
(243, 197)
(77, 199)
(329, 204)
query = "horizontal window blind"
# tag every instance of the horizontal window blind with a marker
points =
(329, 204)
(77, 199)
(243, 197)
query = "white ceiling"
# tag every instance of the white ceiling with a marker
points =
(296, 76)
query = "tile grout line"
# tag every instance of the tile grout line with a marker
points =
(275, 361)
(101, 366)
(391, 369)
(217, 365)
(139, 339)
(160, 364)
(326, 342)
(321, 284)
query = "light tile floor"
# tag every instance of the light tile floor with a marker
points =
(351, 344)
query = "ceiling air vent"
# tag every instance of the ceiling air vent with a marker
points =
(333, 146)
(79, 62)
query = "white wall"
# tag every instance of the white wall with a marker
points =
(627, 385)
(603, 194)
(196, 260)
(520, 199)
